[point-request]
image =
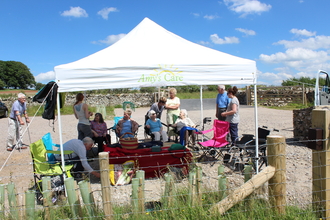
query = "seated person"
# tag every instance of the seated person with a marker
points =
(99, 130)
(158, 107)
(126, 125)
(183, 121)
(79, 148)
(156, 126)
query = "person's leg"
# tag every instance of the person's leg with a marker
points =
(11, 133)
(221, 118)
(233, 128)
(80, 133)
(164, 135)
(157, 136)
(99, 141)
(19, 135)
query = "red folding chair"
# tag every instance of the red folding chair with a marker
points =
(213, 148)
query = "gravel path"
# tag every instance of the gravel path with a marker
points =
(18, 167)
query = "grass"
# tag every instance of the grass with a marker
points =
(252, 208)
(68, 110)
(292, 106)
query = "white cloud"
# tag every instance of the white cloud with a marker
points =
(111, 39)
(303, 32)
(313, 43)
(211, 17)
(45, 77)
(196, 14)
(246, 7)
(75, 12)
(227, 40)
(105, 12)
(269, 78)
(294, 55)
(246, 31)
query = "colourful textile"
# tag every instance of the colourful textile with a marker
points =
(155, 164)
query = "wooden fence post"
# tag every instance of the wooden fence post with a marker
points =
(105, 185)
(277, 158)
(243, 191)
(321, 164)
(192, 188)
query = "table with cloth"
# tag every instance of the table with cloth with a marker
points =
(155, 164)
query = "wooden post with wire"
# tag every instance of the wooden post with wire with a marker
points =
(105, 185)
(277, 158)
(321, 164)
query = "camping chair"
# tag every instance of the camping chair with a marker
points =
(113, 128)
(147, 132)
(42, 167)
(213, 148)
(171, 131)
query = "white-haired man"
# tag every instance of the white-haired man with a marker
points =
(79, 148)
(221, 102)
(15, 123)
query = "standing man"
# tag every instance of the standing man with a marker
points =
(79, 148)
(222, 102)
(15, 123)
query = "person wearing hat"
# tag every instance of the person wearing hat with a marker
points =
(222, 102)
(156, 127)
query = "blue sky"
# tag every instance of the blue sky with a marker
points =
(287, 38)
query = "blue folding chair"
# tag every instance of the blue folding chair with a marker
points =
(113, 128)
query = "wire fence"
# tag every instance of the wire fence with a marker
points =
(172, 190)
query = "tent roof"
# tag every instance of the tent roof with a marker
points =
(149, 55)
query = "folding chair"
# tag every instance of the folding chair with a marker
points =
(171, 131)
(43, 167)
(213, 148)
(113, 128)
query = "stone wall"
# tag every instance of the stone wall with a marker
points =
(139, 99)
(302, 121)
(281, 95)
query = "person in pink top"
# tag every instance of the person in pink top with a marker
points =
(99, 130)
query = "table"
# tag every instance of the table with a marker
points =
(155, 164)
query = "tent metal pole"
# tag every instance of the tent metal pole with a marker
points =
(60, 131)
(256, 126)
(201, 98)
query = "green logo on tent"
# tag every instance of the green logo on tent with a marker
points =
(162, 74)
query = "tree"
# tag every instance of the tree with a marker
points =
(302, 80)
(39, 85)
(16, 75)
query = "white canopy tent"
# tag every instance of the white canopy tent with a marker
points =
(151, 56)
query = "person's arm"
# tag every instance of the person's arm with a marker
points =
(232, 111)
(96, 174)
(175, 105)
(19, 118)
(135, 126)
(119, 126)
(104, 129)
(87, 113)
(75, 114)
(148, 123)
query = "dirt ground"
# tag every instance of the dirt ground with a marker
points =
(16, 166)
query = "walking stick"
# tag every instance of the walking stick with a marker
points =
(28, 129)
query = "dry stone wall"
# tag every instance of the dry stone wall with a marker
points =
(302, 121)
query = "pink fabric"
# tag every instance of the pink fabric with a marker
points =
(221, 130)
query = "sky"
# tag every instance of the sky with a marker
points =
(286, 38)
